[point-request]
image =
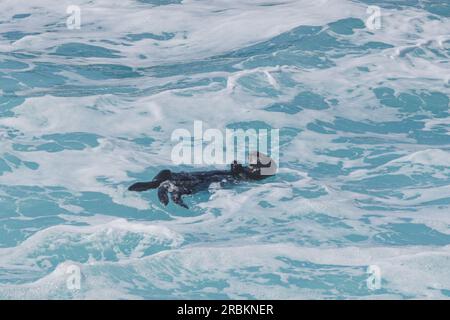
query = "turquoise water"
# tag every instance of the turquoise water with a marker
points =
(364, 176)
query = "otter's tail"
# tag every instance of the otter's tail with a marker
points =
(143, 186)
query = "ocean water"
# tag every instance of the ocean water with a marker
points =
(364, 178)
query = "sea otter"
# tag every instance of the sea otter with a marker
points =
(182, 183)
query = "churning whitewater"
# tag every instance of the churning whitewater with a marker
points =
(363, 182)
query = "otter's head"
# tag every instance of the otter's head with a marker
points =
(262, 165)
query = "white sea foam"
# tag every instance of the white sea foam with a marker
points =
(405, 271)
(302, 207)
(188, 20)
(113, 237)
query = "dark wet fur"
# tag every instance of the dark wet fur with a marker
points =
(183, 183)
